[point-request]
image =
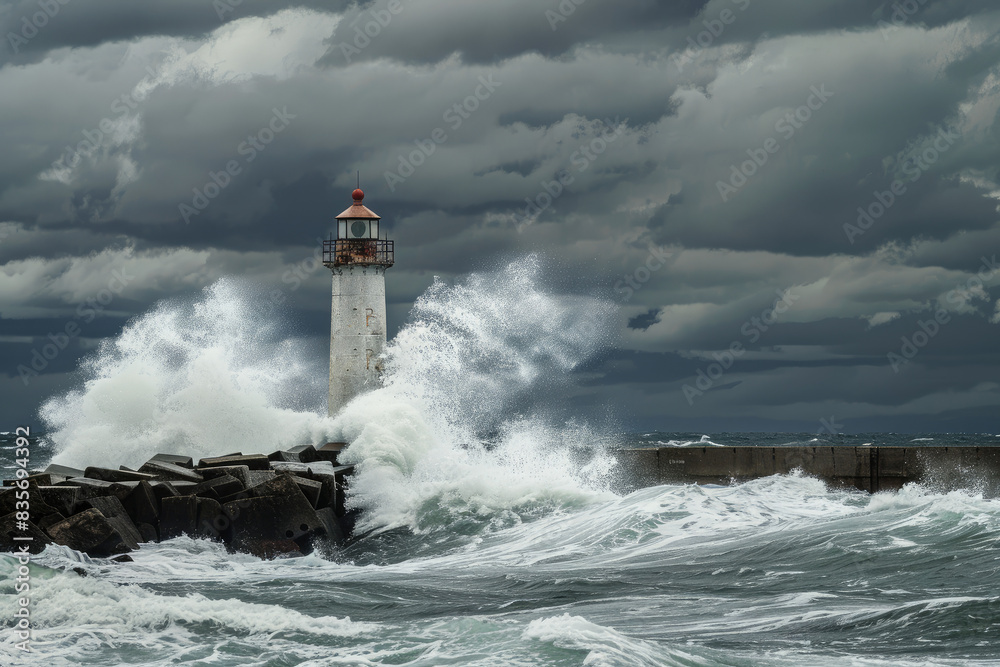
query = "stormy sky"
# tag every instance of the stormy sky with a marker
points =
(793, 204)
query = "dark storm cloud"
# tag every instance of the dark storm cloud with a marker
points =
(598, 137)
(31, 28)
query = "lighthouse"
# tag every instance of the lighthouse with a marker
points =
(358, 259)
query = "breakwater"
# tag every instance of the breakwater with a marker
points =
(287, 503)
(871, 469)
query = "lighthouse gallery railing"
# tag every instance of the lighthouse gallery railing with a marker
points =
(362, 252)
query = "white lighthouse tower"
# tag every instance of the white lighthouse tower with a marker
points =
(358, 259)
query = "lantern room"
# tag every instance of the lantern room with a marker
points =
(358, 241)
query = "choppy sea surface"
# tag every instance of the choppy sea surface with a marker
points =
(495, 535)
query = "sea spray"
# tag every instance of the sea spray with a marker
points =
(473, 423)
(470, 424)
(199, 379)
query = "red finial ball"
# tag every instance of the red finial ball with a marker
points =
(358, 195)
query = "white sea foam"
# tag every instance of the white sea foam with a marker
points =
(469, 422)
(198, 379)
(464, 425)
(604, 646)
(72, 614)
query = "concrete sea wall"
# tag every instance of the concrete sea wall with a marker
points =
(870, 469)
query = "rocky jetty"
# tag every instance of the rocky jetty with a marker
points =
(287, 503)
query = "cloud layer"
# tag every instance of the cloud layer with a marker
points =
(702, 163)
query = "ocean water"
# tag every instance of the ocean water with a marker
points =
(494, 534)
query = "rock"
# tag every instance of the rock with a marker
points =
(268, 526)
(279, 485)
(212, 519)
(127, 535)
(39, 479)
(63, 471)
(142, 506)
(182, 461)
(330, 451)
(241, 473)
(185, 488)
(124, 558)
(15, 499)
(63, 498)
(218, 487)
(114, 511)
(252, 461)
(49, 520)
(192, 516)
(170, 472)
(109, 475)
(289, 466)
(311, 489)
(240, 495)
(306, 453)
(89, 488)
(148, 532)
(334, 491)
(299, 454)
(9, 530)
(89, 531)
(163, 490)
(258, 477)
(282, 456)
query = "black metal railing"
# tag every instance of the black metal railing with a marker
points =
(358, 252)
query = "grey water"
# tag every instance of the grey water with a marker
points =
(515, 553)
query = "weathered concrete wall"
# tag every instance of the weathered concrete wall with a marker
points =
(357, 332)
(870, 469)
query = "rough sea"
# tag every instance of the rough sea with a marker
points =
(494, 533)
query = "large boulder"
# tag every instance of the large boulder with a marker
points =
(278, 519)
(115, 512)
(182, 461)
(12, 528)
(252, 461)
(217, 487)
(300, 454)
(142, 505)
(193, 516)
(111, 475)
(91, 532)
(330, 451)
(170, 472)
(241, 473)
